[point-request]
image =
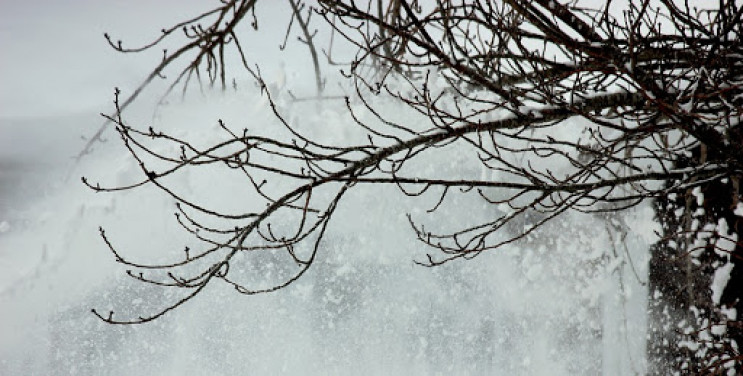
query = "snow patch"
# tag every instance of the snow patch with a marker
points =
(720, 280)
(739, 209)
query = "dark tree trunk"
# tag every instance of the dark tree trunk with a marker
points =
(690, 329)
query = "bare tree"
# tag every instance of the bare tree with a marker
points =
(499, 81)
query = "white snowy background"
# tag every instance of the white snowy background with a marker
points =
(565, 302)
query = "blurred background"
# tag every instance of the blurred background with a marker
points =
(545, 307)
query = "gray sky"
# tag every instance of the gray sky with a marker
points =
(58, 73)
(56, 61)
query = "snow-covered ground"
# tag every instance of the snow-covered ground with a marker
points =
(566, 302)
